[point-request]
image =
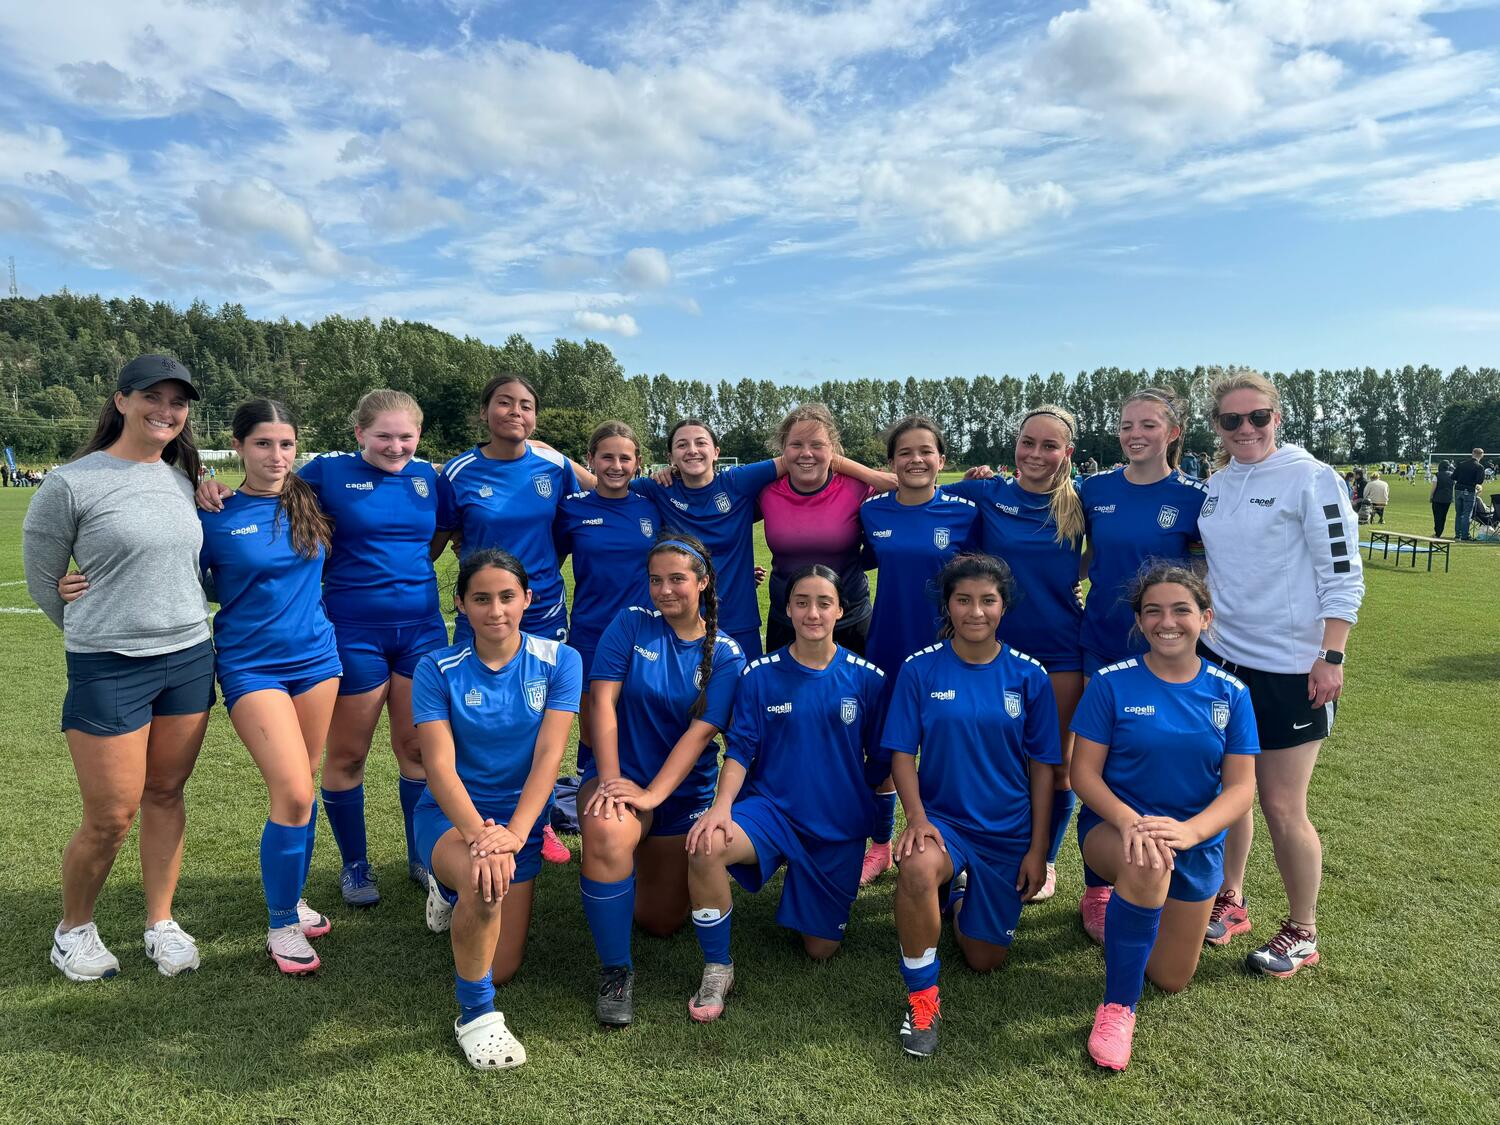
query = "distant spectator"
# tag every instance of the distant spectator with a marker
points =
(1190, 465)
(1442, 498)
(1466, 480)
(1349, 487)
(1090, 467)
(1378, 493)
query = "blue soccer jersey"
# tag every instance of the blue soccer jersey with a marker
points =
(1016, 525)
(975, 728)
(609, 539)
(722, 514)
(383, 524)
(495, 714)
(810, 739)
(270, 597)
(658, 676)
(1126, 525)
(511, 505)
(1166, 741)
(909, 545)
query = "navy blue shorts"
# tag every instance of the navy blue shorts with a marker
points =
(234, 686)
(371, 654)
(429, 824)
(110, 693)
(822, 876)
(550, 623)
(992, 905)
(674, 816)
(1197, 873)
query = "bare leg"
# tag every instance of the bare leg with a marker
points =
(111, 775)
(1282, 777)
(171, 752)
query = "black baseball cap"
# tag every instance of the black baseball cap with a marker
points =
(148, 370)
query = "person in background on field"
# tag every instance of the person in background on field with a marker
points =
(909, 535)
(1164, 764)
(972, 732)
(1466, 481)
(1378, 493)
(1035, 523)
(493, 713)
(1286, 579)
(803, 756)
(661, 689)
(1441, 498)
(140, 662)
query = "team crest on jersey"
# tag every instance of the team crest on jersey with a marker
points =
(486, 491)
(536, 694)
(1221, 714)
(722, 502)
(647, 529)
(473, 698)
(1013, 704)
(1208, 506)
(420, 485)
(848, 710)
(543, 485)
(941, 537)
(1167, 517)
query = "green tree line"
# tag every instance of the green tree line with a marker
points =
(59, 355)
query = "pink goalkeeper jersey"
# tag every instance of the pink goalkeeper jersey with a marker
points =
(819, 527)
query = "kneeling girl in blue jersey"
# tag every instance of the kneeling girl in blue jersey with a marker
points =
(1163, 763)
(796, 788)
(493, 716)
(661, 688)
(982, 717)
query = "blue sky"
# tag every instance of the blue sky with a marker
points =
(790, 191)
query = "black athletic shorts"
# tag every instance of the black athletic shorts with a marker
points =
(113, 694)
(1283, 715)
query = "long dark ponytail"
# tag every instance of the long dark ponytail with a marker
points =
(310, 526)
(701, 562)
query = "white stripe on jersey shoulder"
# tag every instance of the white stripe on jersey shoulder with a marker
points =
(769, 658)
(1027, 656)
(458, 464)
(415, 460)
(722, 639)
(1183, 478)
(923, 652)
(647, 612)
(957, 499)
(332, 455)
(877, 496)
(1118, 666)
(578, 495)
(542, 648)
(1215, 670)
(853, 658)
(548, 455)
(446, 662)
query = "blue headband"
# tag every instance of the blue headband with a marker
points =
(679, 545)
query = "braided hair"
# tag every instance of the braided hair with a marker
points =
(700, 562)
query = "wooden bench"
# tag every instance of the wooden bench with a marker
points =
(1401, 539)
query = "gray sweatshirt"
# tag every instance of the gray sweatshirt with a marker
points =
(134, 531)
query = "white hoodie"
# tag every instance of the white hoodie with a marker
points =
(1283, 557)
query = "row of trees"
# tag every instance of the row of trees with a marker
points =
(59, 355)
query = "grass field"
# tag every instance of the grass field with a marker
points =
(1399, 1022)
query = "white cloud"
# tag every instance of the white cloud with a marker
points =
(255, 206)
(41, 150)
(1446, 187)
(646, 267)
(623, 324)
(960, 207)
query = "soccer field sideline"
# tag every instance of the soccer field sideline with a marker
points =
(1398, 1023)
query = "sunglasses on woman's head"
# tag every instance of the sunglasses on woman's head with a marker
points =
(1260, 419)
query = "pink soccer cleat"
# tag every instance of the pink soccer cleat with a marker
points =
(1092, 906)
(878, 860)
(1109, 1042)
(553, 849)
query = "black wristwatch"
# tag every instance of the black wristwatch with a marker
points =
(1330, 656)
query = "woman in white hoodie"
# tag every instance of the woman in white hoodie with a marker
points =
(1283, 567)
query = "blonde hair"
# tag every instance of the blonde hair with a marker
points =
(1065, 506)
(1243, 380)
(383, 400)
(1171, 405)
(808, 412)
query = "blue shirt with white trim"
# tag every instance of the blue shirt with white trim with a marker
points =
(1166, 741)
(511, 505)
(379, 571)
(909, 545)
(609, 539)
(270, 596)
(658, 676)
(1128, 524)
(974, 729)
(810, 740)
(495, 713)
(722, 514)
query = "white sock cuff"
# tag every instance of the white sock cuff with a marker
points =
(710, 916)
(927, 958)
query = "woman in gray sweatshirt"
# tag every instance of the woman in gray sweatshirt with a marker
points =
(140, 662)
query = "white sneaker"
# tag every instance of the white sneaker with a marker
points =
(172, 948)
(311, 922)
(80, 955)
(439, 909)
(289, 948)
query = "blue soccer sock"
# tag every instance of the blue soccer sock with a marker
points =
(1129, 934)
(345, 809)
(1062, 812)
(610, 910)
(585, 756)
(411, 792)
(920, 972)
(282, 849)
(885, 818)
(475, 997)
(712, 928)
(312, 838)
